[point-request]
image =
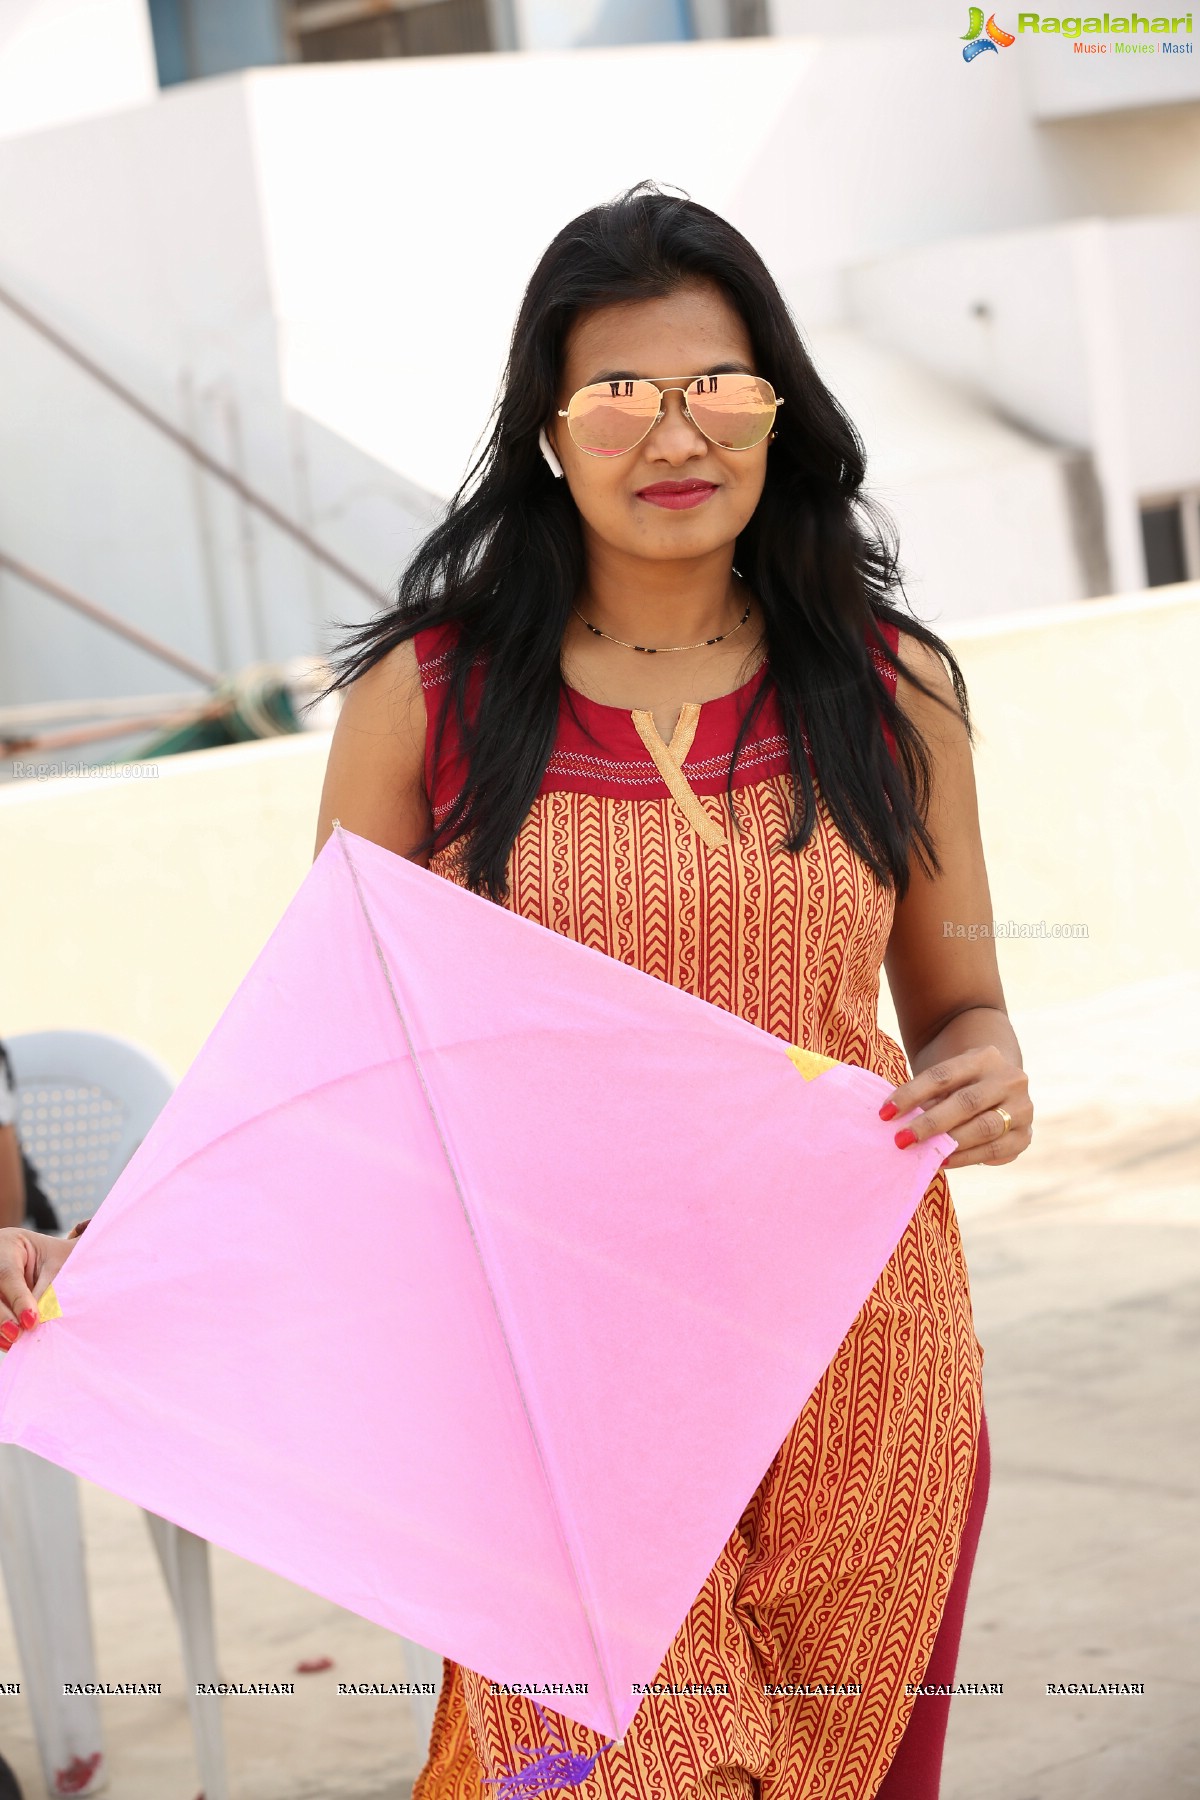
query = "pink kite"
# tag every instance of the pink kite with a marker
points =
(463, 1257)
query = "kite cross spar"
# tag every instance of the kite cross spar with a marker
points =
(572, 1770)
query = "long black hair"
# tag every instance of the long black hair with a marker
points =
(506, 561)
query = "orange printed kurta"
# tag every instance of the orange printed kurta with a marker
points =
(787, 1679)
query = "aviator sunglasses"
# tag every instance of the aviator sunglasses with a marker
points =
(609, 418)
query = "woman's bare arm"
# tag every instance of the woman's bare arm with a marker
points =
(12, 1178)
(963, 1051)
(375, 776)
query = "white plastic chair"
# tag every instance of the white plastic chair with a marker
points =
(85, 1101)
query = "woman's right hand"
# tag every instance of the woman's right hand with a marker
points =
(29, 1261)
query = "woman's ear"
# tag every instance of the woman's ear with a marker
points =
(556, 467)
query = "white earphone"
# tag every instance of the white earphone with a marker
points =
(556, 467)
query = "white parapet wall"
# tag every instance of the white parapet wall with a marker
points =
(1086, 762)
(136, 903)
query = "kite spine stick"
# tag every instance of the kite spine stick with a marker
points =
(455, 1176)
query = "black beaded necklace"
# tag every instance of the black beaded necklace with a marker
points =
(663, 649)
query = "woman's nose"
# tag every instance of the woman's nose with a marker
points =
(675, 436)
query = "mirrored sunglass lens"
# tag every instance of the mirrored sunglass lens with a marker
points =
(735, 411)
(612, 416)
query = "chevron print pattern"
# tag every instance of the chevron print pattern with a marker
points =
(837, 1574)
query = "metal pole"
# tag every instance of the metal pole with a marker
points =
(110, 621)
(247, 494)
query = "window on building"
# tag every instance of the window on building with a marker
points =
(353, 30)
(194, 38)
(1171, 538)
(749, 18)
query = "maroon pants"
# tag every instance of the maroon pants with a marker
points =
(916, 1769)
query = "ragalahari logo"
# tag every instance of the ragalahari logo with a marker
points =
(975, 42)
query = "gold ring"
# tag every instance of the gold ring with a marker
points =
(1007, 1117)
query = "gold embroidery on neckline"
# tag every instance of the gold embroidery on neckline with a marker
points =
(668, 759)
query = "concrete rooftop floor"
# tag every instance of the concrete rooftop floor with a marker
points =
(1085, 1263)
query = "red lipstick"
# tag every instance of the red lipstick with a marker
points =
(675, 495)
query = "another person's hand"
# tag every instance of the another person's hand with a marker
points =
(29, 1261)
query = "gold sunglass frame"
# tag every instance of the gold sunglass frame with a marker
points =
(669, 384)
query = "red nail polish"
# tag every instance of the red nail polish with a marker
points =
(8, 1334)
(888, 1110)
(29, 1318)
(905, 1138)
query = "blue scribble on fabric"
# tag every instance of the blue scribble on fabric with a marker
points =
(553, 1765)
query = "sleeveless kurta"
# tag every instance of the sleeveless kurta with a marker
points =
(837, 1574)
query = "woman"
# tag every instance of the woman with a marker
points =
(768, 808)
(772, 804)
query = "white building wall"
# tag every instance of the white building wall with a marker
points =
(1122, 164)
(1085, 332)
(1062, 82)
(999, 313)
(1056, 80)
(862, 18)
(154, 264)
(985, 514)
(69, 59)
(1156, 298)
(316, 269)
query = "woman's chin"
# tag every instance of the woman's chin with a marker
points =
(675, 535)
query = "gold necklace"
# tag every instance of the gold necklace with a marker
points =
(663, 649)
